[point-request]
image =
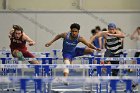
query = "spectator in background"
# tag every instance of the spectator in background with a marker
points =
(136, 37)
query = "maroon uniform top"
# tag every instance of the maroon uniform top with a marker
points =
(18, 44)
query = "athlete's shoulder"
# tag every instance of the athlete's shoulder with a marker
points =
(25, 37)
(63, 35)
(81, 38)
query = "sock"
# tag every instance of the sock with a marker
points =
(20, 56)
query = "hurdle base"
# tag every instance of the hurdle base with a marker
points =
(82, 90)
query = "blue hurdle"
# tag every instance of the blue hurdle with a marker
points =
(113, 85)
(99, 73)
(46, 71)
(138, 70)
(38, 83)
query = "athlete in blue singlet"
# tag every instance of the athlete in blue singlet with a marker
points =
(70, 41)
(69, 47)
(97, 41)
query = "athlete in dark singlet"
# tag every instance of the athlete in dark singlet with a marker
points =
(113, 44)
(18, 44)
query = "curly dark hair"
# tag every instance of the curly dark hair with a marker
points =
(75, 25)
(98, 28)
(93, 31)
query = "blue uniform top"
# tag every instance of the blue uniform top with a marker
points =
(96, 42)
(69, 46)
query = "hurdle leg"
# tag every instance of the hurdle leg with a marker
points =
(138, 70)
(37, 71)
(2, 89)
(23, 85)
(38, 88)
(83, 70)
(113, 85)
(98, 86)
(8, 74)
(3, 69)
(91, 72)
(47, 72)
(108, 72)
(99, 72)
(128, 86)
(15, 73)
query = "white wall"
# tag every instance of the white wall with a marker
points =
(60, 22)
(72, 4)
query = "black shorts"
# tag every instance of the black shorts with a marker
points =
(137, 54)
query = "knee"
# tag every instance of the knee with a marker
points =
(15, 52)
(66, 70)
(66, 61)
(18, 54)
(91, 50)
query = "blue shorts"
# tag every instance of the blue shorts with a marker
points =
(79, 51)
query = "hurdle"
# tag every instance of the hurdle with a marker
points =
(37, 67)
(128, 81)
(104, 65)
(109, 71)
(38, 87)
(112, 82)
(14, 71)
(45, 72)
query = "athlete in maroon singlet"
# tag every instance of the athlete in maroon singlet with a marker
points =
(18, 43)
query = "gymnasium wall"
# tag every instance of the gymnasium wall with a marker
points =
(43, 26)
(111, 4)
(72, 4)
(1, 4)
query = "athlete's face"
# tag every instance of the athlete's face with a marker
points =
(18, 34)
(111, 30)
(74, 32)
